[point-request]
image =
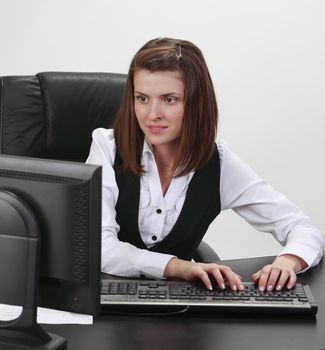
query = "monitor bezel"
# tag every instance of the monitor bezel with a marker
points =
(62, 294)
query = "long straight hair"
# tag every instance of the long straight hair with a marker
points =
(199, 126)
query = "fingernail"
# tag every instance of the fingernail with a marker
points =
(261, 288)
(223, 286)
(278, 287)
(269, 287)
(241, 287)
(234, 287)
(210, 287)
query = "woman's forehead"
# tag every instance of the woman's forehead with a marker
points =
(162, 82)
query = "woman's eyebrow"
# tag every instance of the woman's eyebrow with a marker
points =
(171, 93)
(163, 95)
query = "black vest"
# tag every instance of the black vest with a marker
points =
(201, 206)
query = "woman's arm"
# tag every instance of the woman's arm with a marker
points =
(270, 211)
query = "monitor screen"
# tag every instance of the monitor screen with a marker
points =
(65, 201)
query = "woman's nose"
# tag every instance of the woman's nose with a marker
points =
(154, 111)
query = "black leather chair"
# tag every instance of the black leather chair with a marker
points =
(52, 115)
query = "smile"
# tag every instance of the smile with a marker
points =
(156, 129)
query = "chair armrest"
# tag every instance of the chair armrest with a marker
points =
(204, 253)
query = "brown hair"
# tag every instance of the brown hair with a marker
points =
(199, 126)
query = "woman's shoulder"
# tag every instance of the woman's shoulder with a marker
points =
(103, 140)
(230, 162)
(223, 148)
(103, 134)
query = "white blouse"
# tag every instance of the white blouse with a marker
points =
(240, 189)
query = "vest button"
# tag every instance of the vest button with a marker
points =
(158, 211)
(154, 238)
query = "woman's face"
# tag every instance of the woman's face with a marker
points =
(159, 105)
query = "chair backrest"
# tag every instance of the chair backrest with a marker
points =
(52, 114)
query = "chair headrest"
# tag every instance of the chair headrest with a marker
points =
(53, 114)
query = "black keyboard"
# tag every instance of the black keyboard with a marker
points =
(152, 295)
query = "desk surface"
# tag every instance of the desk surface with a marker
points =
(207, 332)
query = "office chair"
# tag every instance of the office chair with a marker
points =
(52, 115)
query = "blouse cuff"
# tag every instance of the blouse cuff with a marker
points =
(311, 257)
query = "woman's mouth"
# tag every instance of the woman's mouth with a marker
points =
(156, 129)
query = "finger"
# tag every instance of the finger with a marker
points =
(235, 282)
(219, 278)
(282, 280)
(292, 280)
(255, 276)
(264, 276)
(204, 277)
(274, 274)
(233, 279)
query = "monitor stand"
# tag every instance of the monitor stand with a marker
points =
(19, 269)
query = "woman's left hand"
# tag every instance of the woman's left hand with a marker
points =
(280, 273)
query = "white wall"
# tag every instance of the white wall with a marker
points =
(267, 59)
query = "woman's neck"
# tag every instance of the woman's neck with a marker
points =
(165, 160)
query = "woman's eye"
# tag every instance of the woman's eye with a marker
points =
(170, 99)
(141, 98)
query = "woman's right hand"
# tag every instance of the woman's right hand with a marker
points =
(191, 271)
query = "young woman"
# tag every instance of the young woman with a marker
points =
(165, 179)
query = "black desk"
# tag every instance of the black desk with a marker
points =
(207, 332)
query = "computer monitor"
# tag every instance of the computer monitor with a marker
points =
(50, 238)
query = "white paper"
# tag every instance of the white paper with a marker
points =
(48, 316)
